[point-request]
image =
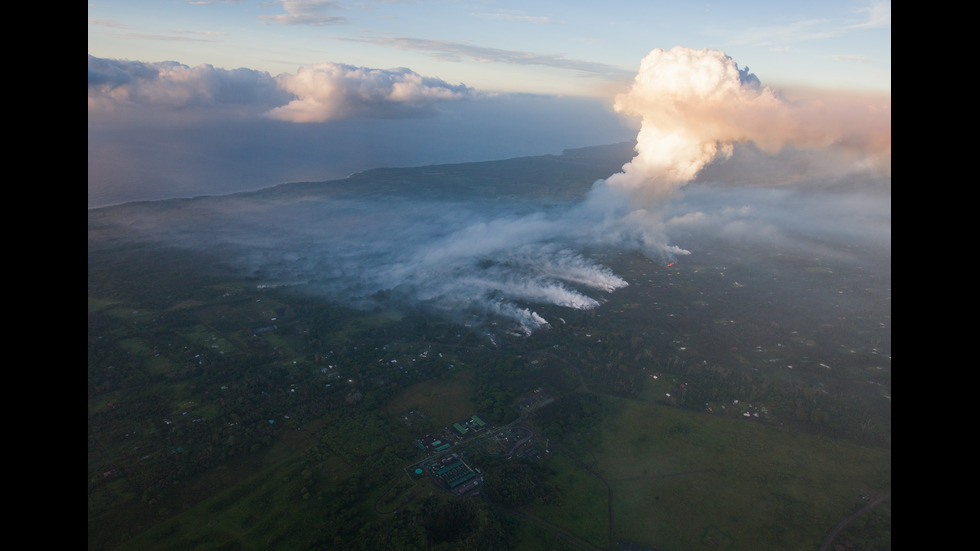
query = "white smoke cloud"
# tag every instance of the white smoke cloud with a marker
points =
(489, 263)
(696, 104)
(506, 257)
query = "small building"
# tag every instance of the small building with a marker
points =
(454, 475)
(432, 443)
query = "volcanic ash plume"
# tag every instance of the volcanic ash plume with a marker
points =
(695, 104)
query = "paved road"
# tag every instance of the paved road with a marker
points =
(840, 526)
(570, 538)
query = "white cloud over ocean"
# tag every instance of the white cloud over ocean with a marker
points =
(719, 157)
(159, 130)
(331, 91)
(323, 92)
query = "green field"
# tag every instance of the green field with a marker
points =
(684, 480)
(678, 479)
(685, 413)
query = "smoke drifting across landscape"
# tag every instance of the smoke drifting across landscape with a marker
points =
(695, 105)
(468, 255)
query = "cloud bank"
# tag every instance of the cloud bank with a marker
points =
(321, 93)
(117, 84)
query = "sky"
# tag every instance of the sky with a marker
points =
(191, 98)
(752, 122)
(567, 47)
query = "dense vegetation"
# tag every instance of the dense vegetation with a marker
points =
(723, 403)
(199, 401)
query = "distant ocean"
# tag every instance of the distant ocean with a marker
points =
(148, 160)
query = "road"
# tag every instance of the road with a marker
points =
(570, 538)
(840, 526)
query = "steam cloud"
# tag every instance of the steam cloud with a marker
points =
(465, 260)
(695, 105)
(503, 257)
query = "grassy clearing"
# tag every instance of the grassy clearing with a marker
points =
(582, 508)
(262, 506)
(267, 503)
(444, 401)
(532, 538)
(684, 480)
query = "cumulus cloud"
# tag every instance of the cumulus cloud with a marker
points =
(330, 91)
(169, 85)
(323, 92)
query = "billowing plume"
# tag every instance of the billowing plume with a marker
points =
(695, 104)
(170, 86)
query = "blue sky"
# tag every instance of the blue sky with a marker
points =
(567, 47)
(189, 98)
